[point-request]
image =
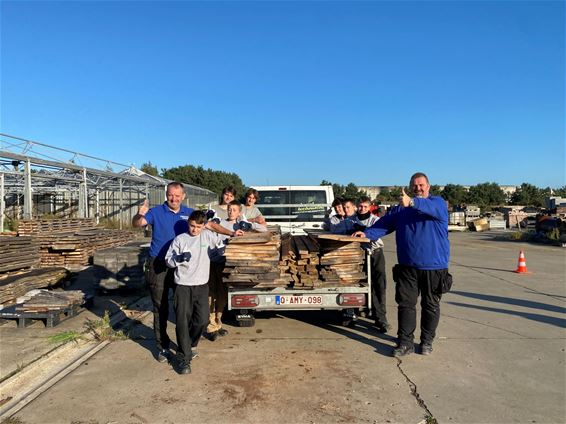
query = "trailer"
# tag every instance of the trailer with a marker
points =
(351, 300)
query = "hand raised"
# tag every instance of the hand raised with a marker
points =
(144, 207)
(404, 199)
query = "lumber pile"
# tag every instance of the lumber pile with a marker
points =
(303, 260)
(341, 259)
(252, 260)
(71, 242)
(45, 300)
(15, 285)
(18, 253)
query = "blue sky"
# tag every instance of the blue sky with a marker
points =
(295, 92)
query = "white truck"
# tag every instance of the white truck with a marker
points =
(296, 209)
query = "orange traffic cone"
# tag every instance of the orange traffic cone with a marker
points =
(522, 266)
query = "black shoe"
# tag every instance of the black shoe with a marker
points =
(163, 355)
(222, 332)
(184, 366)
(211, 336)
(426, 348)
(382, 327)
(403, 350)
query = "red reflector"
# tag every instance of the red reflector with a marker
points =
(245, 301)
(351, 299)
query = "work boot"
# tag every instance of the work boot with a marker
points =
(426, 348)
(163, 355)
(211, 336)
(222, 332)
(184, 366)
(382, 327)
(403, 350)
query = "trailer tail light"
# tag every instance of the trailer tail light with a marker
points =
(351, 299)
(245, 301)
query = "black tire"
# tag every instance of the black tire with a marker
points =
(246, 322)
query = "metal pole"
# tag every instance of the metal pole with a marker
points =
(97, 206)
(27, 191)
(2, 204)
(121, 202)
(85, 194)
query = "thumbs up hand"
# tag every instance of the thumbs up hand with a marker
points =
(404, 199)
(144, 207)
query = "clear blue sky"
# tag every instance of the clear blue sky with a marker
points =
(295, 92)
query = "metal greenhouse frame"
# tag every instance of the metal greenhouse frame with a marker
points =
(37, 180)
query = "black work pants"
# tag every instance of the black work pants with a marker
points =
(378, 286)
(160, 279)
(410, 283)
(191, 311)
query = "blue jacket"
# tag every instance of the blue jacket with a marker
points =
(421, 233)
(165, 226)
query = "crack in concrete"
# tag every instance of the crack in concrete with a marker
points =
(415, 393)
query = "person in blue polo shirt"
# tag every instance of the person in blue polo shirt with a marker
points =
(167, 221)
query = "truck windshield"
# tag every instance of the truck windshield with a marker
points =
(293, 205)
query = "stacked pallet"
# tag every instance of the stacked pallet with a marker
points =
(303, 262)
(341, 259)
(252, 260)
(13, 286)
(46, 300)
(71, 242)
(18, 253)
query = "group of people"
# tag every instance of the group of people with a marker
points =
(186, 253)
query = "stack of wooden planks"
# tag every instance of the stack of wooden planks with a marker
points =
(303, 261)
(18, 253)
(341, 259)
(71, 242)
(46, 300)
(14, 285)
(252, 260)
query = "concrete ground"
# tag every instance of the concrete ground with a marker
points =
(498, 358)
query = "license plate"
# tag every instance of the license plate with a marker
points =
(297, 301)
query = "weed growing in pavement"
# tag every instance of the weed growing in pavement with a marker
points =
(516, 235)
(66, 336)
(102, 330)
(553, 234)
(429, 419)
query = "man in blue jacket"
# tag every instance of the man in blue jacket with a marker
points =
(423, 252)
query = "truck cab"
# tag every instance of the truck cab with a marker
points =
(295, 208)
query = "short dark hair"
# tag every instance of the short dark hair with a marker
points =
(198, 216)
(418, 175)
(227, 189)
(337, 201)
(235, 203)
(364, 199)
(176, 184)
(252, 191)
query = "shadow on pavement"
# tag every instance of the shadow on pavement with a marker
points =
(558, 322)
(512, 301)
(331, 321)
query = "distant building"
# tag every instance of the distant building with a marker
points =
(374, 191)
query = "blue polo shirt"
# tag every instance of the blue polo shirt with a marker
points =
(165, 226)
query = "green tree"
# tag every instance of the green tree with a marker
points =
(207, 178)
(454, 193)
(560, 191)
(529, 195)
(486, 195)
(148, 168)
(350, 191)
